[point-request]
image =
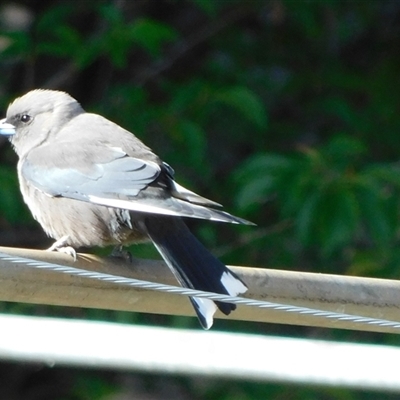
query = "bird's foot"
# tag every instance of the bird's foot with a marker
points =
(68, 250)
(60, 245)
(119, 252)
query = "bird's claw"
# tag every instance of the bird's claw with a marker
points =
(68, 250)
(60, 246)
(119, 252)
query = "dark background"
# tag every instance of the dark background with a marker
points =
(287, 112)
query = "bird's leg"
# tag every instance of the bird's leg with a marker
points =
(119, 252)
(60, 245)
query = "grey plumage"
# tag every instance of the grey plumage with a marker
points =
(90, 182)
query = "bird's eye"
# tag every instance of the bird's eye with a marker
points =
(25, 118)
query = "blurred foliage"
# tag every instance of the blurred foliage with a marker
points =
(334, 199)
(286, 112)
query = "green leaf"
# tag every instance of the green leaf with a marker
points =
(339, 218)
(341, 108)
(343, 148)
(185, 97)
(246, 102)
(192, 137)
(255, 192)
(305, 218)
(54, 17)
(208, 6)
(151, 35)
(65, 41)
(111, 14)
(307, 18)
(295, 186)
(120, 37)
(258, 179)
(328, 218)
(373, 211)
(387, 173)
(16, 44)
(263, 163)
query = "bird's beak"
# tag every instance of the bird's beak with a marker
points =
(6, 129)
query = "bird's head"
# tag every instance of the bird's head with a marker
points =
(36, 115)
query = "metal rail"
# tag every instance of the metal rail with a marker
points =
(305, 299)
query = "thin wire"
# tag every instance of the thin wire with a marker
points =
(120, 280)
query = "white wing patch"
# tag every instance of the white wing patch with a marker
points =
(233, 285)
(132, 205)
(141, 206)
(187, 195)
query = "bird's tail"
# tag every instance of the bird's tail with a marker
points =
(193, 265)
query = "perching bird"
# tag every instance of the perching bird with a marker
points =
(89, 182)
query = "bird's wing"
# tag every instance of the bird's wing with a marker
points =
(90, 170)
(108, 176)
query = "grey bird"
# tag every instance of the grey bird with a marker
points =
(89, 182)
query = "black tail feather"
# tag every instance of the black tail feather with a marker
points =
(193, 265)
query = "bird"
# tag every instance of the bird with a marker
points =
(89, 182)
